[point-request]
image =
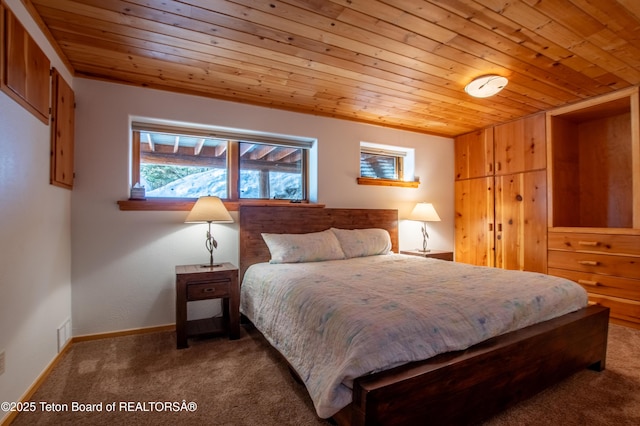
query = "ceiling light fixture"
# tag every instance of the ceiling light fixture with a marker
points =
(485, 86)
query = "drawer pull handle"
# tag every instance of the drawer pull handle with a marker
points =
(589, 243)
(208, 290)
(588, 282)
(588, 262)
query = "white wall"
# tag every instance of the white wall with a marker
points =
(123, 261)
(35, 237)
(75, 254)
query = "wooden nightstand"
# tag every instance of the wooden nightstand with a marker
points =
(197, 282)
(436, 254)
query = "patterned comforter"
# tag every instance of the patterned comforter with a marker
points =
(337, 320)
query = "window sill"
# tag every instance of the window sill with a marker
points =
(185, 204)
(387, 182)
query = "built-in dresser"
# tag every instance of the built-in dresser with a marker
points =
(593, 175)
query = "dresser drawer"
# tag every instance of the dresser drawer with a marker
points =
(622, 309)
(607, 285)
(208, 290)
(591, 242)
(620, 266)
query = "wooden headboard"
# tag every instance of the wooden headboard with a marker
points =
(255, 220)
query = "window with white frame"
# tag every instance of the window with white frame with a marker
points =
(385, 162)
(183, 162)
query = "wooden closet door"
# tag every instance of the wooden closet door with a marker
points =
(474, 221)
(521, 224)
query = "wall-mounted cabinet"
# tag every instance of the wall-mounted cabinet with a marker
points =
(62, 132)
(25, 67)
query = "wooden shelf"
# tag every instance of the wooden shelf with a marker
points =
(186, 204)
(594, 163)
(386, 182)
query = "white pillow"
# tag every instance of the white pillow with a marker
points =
(311, 247)
(363, 242)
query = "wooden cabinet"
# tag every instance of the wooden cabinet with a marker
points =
(521, 221)
(62, 132)
(197, 282)
(25, 68)
(474, 154)
(594, 200)
(501, 219)
(607, 265)
(474, 221)
(26, 77)
(520, 145)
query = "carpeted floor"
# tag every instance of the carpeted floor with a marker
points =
(144, 380)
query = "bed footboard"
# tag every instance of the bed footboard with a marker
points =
(472, 385)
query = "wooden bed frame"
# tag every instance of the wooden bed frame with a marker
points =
(461, 387)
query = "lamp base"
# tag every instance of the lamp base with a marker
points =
(423, 250)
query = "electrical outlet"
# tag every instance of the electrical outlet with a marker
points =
(2, 362)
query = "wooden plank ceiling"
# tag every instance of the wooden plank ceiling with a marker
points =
(397, 63)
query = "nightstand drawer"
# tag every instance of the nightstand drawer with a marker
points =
(208, 290)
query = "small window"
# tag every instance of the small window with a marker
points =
(386, 165)
(381, 166)
(379, 163)
(188, 163)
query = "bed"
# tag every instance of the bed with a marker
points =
(457, 387)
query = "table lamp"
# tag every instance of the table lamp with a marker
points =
(211, 210)
(424, 212)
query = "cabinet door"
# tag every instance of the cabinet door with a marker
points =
(474, 154)
(520, 145)
(25, 68)
(62, 132)
(474, 231)
(521, 221)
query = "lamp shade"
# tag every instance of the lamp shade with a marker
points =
(209, 209)
(424, 212)
(485, 86)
